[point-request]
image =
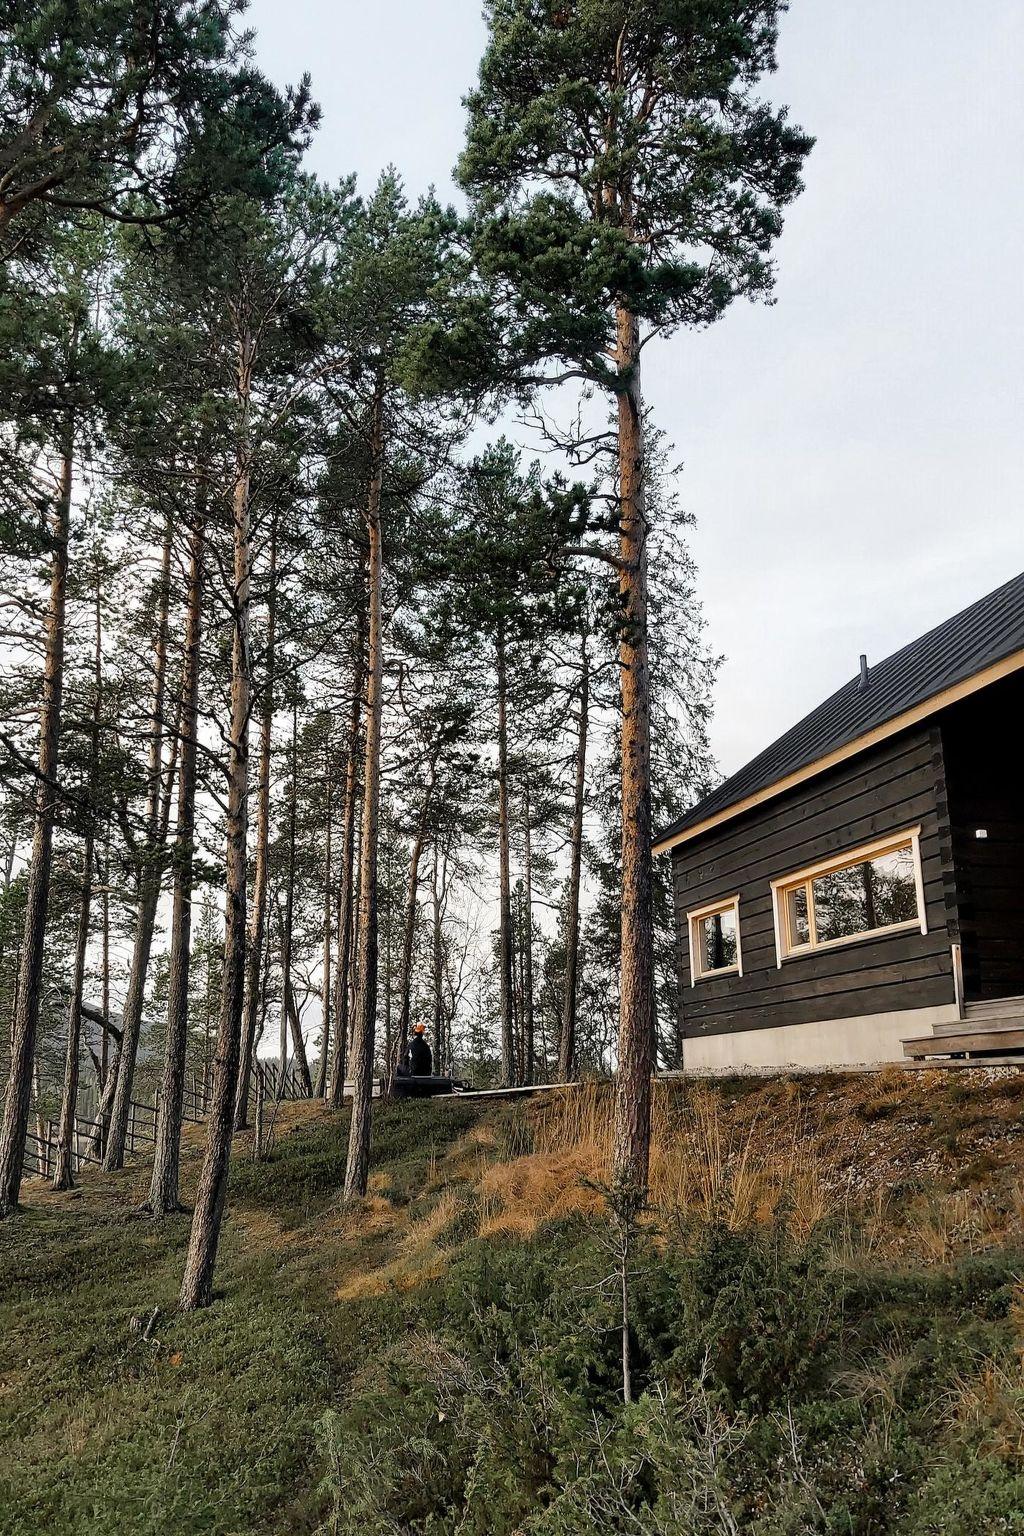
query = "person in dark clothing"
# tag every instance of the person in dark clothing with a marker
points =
(419, 1060)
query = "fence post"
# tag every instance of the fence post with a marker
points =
(257, 1140)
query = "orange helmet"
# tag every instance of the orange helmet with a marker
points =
(419, 1029)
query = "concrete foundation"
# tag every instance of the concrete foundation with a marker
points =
(865, 1040)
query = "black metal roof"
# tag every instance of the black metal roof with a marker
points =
(964, 645)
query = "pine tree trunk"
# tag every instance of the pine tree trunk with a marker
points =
(409, 926)
(64, 1172)
(149, 884)
(14, 1128)
(197, 1281)
(163, 1189)
(528, 1020)
(341, 986)
(440, 1034)
(320, 1087)
(9, 858)
(105, 965)
(41, 1134)
(353, 970)
(518, 931)
(508, 1066)
(287, 1009)
(636, 1005)
(386, 982)
(258, 916)
(567, 1039)
(257, 1138)
(298, 1043)
(97, 1139)
(358, 1168)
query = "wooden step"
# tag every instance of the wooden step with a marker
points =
(995, 1008)
(1004, 1036)
(981, 1022)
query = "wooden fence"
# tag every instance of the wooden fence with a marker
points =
(41, 1149)
(140, 1133)
(290, 1086)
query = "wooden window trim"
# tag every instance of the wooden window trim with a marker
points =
(712, 909)
(861, 854)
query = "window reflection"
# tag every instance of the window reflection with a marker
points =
(799, 922)
(718, 945)
(875, 894)
(867, 895)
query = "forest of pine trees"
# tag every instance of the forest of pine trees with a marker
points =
(352, 649)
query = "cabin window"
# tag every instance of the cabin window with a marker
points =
(715, 940)
(874, 889)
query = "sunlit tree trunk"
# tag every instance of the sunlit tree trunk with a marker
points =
(341, 986)
(258, 915)
(197, 1281)
(567, 1038)
(149, 882)
(508, 1065)
(14, 1127)
(163, 1189)
(636, 1004)
(358, 1168)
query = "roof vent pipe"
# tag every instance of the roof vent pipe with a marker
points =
(863, 673)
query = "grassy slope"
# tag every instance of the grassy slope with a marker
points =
(206, 1426)
(479, 1215)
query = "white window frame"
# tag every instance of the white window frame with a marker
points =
(785, 949)
(712, 909)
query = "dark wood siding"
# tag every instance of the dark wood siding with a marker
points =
(983, 743)
(899, 784)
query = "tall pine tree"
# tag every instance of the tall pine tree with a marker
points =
(626, 180)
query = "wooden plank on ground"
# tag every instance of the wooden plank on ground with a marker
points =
(521, 1091)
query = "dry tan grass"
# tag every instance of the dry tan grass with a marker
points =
(421, 1254)
(521, 1195)
(429, 1230)
(265, 1230)
(397, 1276)
(705, 1162)
(991, 1402)
(947, 1223)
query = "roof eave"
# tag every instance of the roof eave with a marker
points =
(879, 733)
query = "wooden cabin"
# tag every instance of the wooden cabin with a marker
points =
(855, 894)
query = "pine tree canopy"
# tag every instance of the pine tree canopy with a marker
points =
(617, 153)
(134, 109)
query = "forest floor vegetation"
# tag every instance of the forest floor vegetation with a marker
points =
(827, 1325)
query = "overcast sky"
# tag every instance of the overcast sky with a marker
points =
(853, 455)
